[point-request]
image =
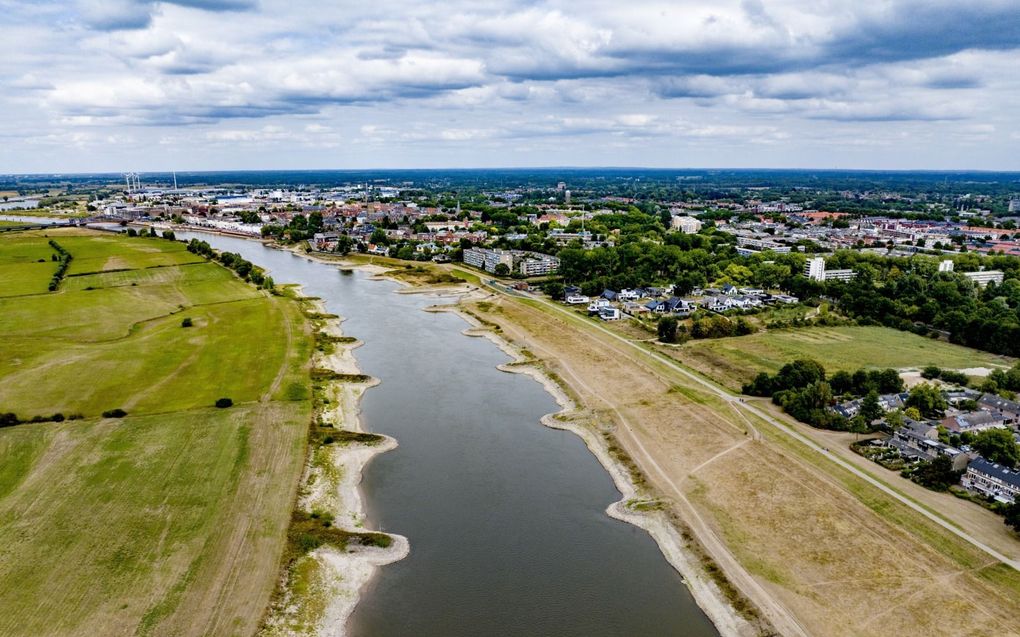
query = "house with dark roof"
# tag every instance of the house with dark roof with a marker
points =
(1010, 409)
(974, 421)
(919, 441)
(993, 480)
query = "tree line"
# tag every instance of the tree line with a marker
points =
(63, 259)
(244, 268)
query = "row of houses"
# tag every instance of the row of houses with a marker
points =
(918, 441)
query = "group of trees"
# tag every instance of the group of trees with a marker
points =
(864, 381)
(63, 259)
(933, 372)
(244, 268)
(9, 419)
(299, 228)
(716, 326)
(803, 391)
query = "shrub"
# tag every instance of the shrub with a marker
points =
(223, 403)
(114, 413)
(8, 419)
(186, 323)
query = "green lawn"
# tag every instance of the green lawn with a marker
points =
(25, 265)
(737, 359)
(173, 519)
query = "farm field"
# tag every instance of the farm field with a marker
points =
(171, 520)
(738, 359)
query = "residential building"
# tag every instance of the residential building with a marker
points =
(762, 244)
(815, 270)
(686, 225)
(992, 480)
(535, 264)
(488, 259)
(974, 421)
(984, 277)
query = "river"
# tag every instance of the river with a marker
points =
(505, 517)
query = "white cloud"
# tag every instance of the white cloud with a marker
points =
(191, 74)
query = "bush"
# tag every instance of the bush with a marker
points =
(186, 323)
(114, 413)
(223, 403)
(9, 419)
(667, 329)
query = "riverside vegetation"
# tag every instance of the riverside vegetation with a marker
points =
(152, 511)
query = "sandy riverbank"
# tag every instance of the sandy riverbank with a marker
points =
(331, 580)
(653, 520)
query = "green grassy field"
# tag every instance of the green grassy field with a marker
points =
(173, 519)
(736, 360)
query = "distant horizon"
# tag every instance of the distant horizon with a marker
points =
(537, 168)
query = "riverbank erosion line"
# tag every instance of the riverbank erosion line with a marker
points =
(330, 556)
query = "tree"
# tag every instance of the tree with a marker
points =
(1013, 515)
(187, 322)
(928, 400)
(554, 289)
(667, 328)
(800, 373)
(502, 269)
(871, 410)
(223, 403)
(997, 445)
(344, 244)
(936, 474)
(894, 419)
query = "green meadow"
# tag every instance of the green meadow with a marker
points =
(738, 359)
(171, 520)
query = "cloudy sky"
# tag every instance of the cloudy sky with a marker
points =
(116, 85)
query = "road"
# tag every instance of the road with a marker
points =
(739, 404)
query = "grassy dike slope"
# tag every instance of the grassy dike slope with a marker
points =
(173, 519)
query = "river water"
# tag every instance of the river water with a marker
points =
(506, 518)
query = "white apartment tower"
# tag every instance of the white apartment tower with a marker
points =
(814, 269)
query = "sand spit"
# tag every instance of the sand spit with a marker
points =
(331, 580)
(650, 518)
